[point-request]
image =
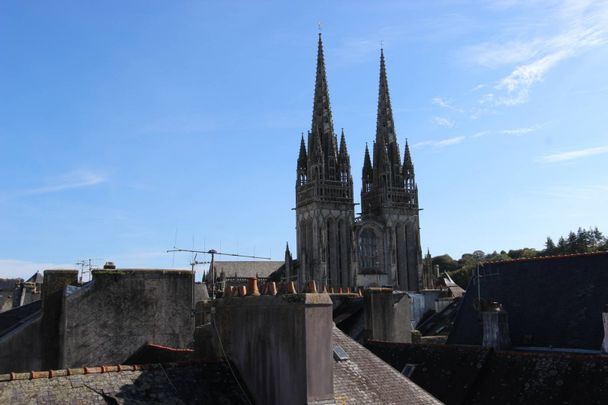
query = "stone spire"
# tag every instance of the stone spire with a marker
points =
(408, 170)
(385, 132)
(408, 165)
(322, 122)
(343, 158)
(367, 165)
(302, 162)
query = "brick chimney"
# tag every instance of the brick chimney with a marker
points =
(280, 344)
(605, 320)
(496, 327)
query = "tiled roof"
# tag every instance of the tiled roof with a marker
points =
(365, 379)
(458, 374)
(250, 268)
(186, 383)
(153, 353)
(555, 302)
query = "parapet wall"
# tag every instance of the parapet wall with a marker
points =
(280, 344)
(120, 310)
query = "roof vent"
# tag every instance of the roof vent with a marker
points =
(340, 354)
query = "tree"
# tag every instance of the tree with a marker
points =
(550, 247)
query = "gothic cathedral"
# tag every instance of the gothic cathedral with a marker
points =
(381, 247)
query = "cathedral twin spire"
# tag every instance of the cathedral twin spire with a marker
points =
(323, 160)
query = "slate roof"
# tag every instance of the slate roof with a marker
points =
(365, 379)
(9, 284)
(348, 315)
(12, 318)
(459, 374)
(174, 383)
(245, 269)
(37, 278)
(440, 323)
(554, 301)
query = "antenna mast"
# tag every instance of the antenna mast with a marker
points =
(211, 252)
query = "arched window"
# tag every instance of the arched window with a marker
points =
(368, 251)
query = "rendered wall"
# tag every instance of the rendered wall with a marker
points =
(387, 315)
(281, 345)
(107, 320)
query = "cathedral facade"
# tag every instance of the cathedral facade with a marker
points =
(380, 247)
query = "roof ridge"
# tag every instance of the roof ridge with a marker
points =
(527, 259)
(32, 375)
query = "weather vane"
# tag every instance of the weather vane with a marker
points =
(319, 26)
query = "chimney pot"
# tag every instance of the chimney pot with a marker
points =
(242, 291)
(340, 290)
(311, 287)
(228, 291)
(252, 287)
(291, 288)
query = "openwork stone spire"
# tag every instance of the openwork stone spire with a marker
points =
(322, 122)
(386, 138)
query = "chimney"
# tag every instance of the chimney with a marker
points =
(496, 327)
(605, 320)
(52, 300)
(281, 345)
(387, 315)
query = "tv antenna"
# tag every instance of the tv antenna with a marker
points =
(211, 252)
(86, 266)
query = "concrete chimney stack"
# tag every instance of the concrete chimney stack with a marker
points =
(387, 315)
(605, 320)
(280, 344)
(496, 327)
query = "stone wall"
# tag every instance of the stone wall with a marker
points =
(120, 310)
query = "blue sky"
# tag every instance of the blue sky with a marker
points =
(127, 127)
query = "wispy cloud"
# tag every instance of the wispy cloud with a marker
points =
(580, 26)
(520, 131)
(440, 143)
(441, 102)
(574, 154)
(444, 122)
(72, 180)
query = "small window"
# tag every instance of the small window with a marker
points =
(340, 354)
(408, 370)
